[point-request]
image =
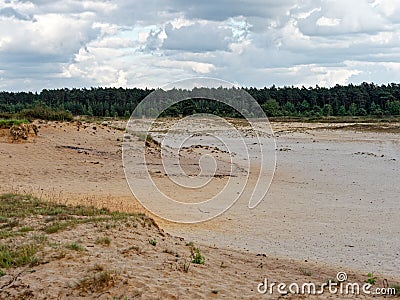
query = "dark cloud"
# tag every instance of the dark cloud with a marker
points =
(220, 10)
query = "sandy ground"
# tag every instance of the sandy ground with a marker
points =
(128, 266)
(333, 200)
(66, 163)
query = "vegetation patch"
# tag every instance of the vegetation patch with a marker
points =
(74, 246)
(153, 242)
(45, 113)
(12, 122)
(19, 256)
(103, 241)
(97, 282)
(371, 279)
(45, 218)
(30, 238)
(57, 226)
(25, 229)
(195, 255)
(396, 288)
(21, 206)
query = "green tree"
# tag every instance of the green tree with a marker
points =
(327, 110)
(289, 108)
(342, 111)
(305, 106)
(362, 112)
(271, 108)
(375, 109)
(353, 109)
(316, 111)
(113, 110)
(393, 107)
(90, 110)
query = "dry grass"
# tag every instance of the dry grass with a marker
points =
(376, 127)
(26, 223)
(97, 282)
(103, 241)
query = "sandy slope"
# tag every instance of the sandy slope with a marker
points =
(128, 266)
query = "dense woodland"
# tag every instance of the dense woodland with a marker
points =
(351, 100)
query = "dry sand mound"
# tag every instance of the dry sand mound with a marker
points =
(19, 133)
(51, 251)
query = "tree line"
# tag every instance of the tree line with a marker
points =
(348, 100)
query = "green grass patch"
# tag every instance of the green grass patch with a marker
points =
(26, 229)
(20, 256)
(21, 206)
(8, 233)
(196, 256)
(61, 226)
(11, 122)
(58, 217)
(74, 246)
(396, 288)
(57, 226)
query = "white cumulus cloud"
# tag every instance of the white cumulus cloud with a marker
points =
(80, 43)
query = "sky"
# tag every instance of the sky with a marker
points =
(135, 43)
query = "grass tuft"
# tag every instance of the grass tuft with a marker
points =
(104, 241)
(74, 246)
(57, 226)
(19, 256)
(196, 256)
(97, 282)
(396, 288)
(26, 229)
(305, 272)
